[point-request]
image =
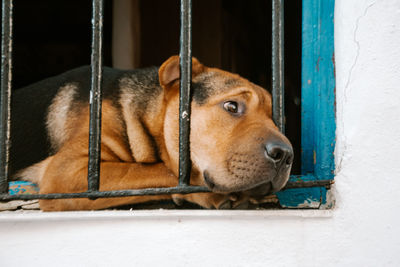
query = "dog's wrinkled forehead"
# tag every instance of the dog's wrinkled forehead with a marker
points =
(210, 83)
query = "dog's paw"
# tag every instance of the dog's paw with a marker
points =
(214, 200)
(264, 199)
(239, 201)
(205, 200)
(178, 200)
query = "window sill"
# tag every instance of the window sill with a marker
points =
(29, 216)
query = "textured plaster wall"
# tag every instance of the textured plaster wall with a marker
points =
(363, 229)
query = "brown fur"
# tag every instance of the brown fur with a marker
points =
(139, 148)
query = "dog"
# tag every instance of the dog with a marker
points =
(236, 149)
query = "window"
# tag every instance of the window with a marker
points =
(317, 94)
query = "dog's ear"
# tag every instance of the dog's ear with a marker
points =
(169, 71)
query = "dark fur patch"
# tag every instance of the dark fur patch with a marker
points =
(203, 88)
(231, 82)
(143, 84)
(211, 83)
(201, 92)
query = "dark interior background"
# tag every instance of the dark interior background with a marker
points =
(51, 37)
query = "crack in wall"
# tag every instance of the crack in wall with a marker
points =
(358, 47)
(345, 91)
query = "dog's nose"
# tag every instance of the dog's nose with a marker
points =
(279, 152)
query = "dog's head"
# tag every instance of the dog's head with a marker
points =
(235, 145)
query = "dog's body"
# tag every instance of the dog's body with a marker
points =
(235, 147)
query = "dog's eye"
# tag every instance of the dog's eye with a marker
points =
(231, 106)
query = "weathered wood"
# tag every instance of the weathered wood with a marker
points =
(318, 104)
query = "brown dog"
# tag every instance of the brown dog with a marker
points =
(235, 146)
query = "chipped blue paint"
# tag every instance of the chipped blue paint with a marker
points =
(296, 198)
(318, 103)
(22, 187)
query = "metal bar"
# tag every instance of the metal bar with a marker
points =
(95, 97)
(278, 92)
(107, 194)
(184, 90)
(150, 191)
(6, 66)
(306, 184)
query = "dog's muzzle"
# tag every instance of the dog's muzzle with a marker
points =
(263, 174)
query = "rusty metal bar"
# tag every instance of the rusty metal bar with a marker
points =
(151, 191)
(306, 184)
(278, 92)
(5, 114)
(95, 96)
(107, 194)
(184, 91)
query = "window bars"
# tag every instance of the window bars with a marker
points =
(6, 49)
(184, 186)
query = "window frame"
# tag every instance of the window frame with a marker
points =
(318, 123)
(318, 111)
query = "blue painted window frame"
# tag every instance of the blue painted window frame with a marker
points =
(318, 105)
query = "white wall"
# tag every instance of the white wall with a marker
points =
(363, 229)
